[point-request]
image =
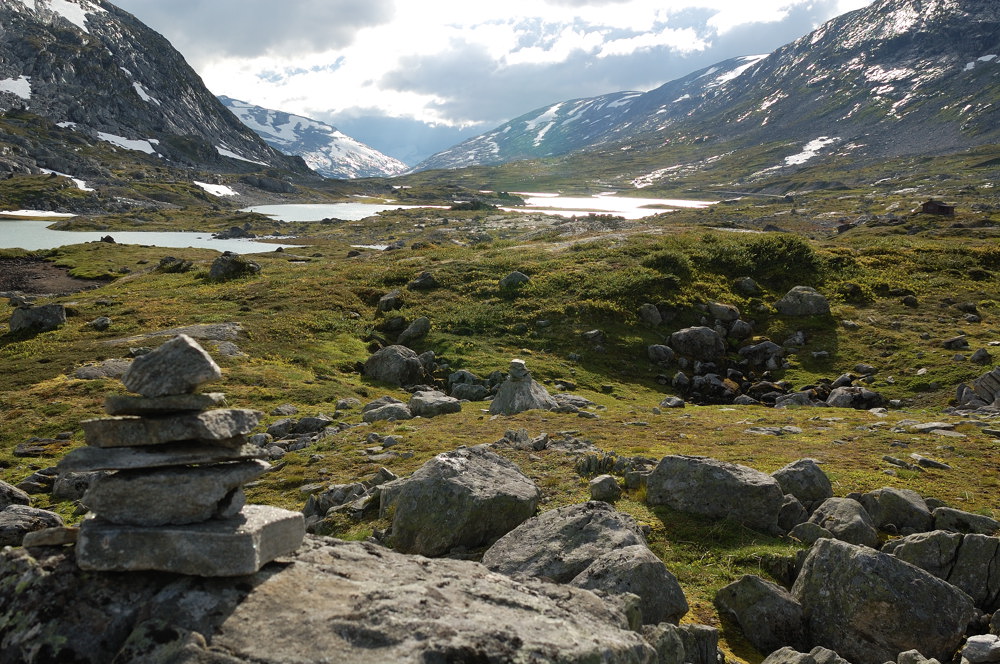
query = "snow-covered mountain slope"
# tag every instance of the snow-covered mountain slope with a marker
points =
(326, 150)
(96, 69)
(896, 78)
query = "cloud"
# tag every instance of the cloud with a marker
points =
(204, 30)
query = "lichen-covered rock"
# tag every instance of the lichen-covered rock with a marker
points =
(902, 508)
(870, 606)
(44, 318)
(847, 520)
(699, 343)
(466, 498)
(803, 301)
(561, 543)
(948, 518)
(699, 485)
(16, 521)
(805, 480)
(11, 495)
(395, 365)
(230, 266)
(520, 392)
(635, 569)
(767, 614)
(305, 609)
(178, 366)
(432, 403)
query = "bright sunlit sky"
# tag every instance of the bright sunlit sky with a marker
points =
(413, 77)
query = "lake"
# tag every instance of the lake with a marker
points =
(606, 203)
(319, 211)
(33, 235)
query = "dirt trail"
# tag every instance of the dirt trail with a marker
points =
(35, 276)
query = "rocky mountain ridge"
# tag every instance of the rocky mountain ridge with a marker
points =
(897, 78)
(96, 70)
(324, 148)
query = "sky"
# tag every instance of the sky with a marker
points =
(413, 77)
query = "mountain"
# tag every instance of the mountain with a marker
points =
(325, 149)
(897, 78)
(97, 71)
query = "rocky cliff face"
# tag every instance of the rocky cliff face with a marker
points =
(324, 148)
(95, 69)
(899, 77)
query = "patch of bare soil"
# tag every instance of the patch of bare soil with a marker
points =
(36, 277)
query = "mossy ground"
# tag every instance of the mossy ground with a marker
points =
(309, 318)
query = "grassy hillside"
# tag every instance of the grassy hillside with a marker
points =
(309, 319)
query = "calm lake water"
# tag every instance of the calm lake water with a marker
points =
(318, 211)
(627, 207)
(35, 235)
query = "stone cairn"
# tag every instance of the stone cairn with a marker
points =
(174, 500)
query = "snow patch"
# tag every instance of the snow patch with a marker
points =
(810, 150)
(75, 12)
(34, 213)
(226, 152)
(139, 145)
(748, 61)
(217, 189)
(80, 184)
(145, 96)
(681, 98)
(66, 125)
(20, 86)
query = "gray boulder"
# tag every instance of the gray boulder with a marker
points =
(701, 644)
(859, 398)
(390, 301)
(792, 513)
(178, 366)
(388, 412)
(416, 330)
(329, 600)
(561, 543)
(968, 562)
(470, 392)
(948, 518)
(725, 313)
(660, 354)
(514, 279)
(902, 508)
(699, 485)
(698, 343)
(432, 403)
(605, 488)
(16, 521)
(847, 520)
(981, 648)
(11, 495)
(666, 639)
(803, 301)
(232, 266)
(44, 318)
(635, 569)
(520, 393)
(805, 480)
(650, 315)
(870, 606)
(768, 615)
(808, 533)
(395, 365)
(467, 498)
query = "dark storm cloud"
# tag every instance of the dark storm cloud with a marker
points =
(206, 29)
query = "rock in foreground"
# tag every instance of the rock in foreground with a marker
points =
(349, 601)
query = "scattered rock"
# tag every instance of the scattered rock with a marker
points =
(803, 301)
(416, 330)
(605, 488)
(699, 343)
(11, 495)
(17, 520)
(699, 485)
(805, 480)
(768, 615)
(514, 279)
(902, 508)
(231, 266)
(395, 365)
(432, 403)
(44, 318)
(847, 520)
(469, 498)
(957, 521)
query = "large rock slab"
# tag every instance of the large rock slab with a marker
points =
(432, 403)
(699, 485)
(520, 392)
(86, 459)
(949, 518)
(870, 606)
(466, 498)
(225, 426)
(16, 521)
(562, 543)
(172, 496)
(847, 520)
(178, 366)
(329, 601)
(121, 404)
(236, 546)
(395, 365)
(968, 562)
(635, 569)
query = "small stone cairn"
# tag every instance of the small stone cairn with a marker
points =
(174, 501)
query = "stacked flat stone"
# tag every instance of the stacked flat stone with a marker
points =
(175, 500)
